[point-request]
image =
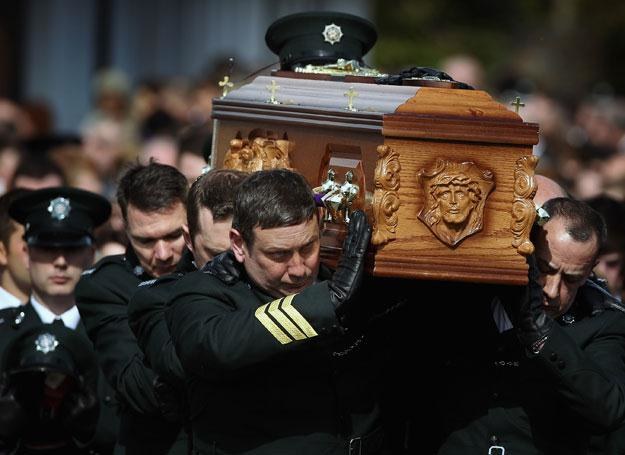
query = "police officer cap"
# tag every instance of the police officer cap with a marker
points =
(50, 348)
(60, 217)
(320, 38)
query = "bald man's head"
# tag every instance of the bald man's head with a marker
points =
(547, 189)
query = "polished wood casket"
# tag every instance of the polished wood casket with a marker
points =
(445, 174)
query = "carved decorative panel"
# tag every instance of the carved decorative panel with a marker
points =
(260, 151)
(454, 198)
(523, 208)
(385, 196)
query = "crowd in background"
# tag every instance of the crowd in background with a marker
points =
(582, 147)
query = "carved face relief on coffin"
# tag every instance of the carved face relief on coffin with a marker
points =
(258, 153)
(455, 195)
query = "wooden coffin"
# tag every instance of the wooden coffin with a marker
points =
(445, 175)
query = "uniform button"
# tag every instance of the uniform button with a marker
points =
(553, 356)
(494, 440)
(107, 399)
(561, 364)
(495, 396)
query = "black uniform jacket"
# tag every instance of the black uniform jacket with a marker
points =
(266, 375)
(102, 296)
(16, 320)
(146, 316)
(495, 395)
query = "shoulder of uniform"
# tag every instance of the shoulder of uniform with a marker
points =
(105, 262)
(12, 316)
(154, 282)
(147, 283)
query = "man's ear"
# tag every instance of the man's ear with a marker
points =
(187, 237)
(237, 244)
(3, 255)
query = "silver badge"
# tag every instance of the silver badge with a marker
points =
(46, 342)
(332, 34)
(59, 208)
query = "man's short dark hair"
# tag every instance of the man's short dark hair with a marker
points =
(583, 223)
(270, 199)
(7, 224)
(215, 191)
(37, 167)
(151, 188)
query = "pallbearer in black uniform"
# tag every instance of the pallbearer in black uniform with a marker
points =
(152, 199)
(259, 332)
(207, 233)
(59, 224)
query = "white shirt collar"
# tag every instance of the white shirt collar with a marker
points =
(70, 318)
(8, 300)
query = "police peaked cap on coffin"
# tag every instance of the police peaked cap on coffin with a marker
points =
(60, 217)
(320, 38)
(50, 348)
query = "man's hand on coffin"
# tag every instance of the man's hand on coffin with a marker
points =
(532, 323)
(348, 275)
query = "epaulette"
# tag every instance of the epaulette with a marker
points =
(607, 300)
(160, 280)
(107, 260)
(147, 283)
(13, 316)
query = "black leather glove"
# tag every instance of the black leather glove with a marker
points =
(172, 401)
(532, 323)
(80, 414)
(420, 72)
(224, 266)
(349, 271)
(13, 417)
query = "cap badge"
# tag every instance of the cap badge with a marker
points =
(332, 34)
(46, 342)
(59, 208)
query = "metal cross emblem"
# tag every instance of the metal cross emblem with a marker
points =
(350, 94)
(273, 88)
(517, 104)
(46, 342)
(332, 34)
(226, 84)
(59, 208)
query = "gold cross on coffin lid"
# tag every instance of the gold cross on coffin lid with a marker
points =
(226, 84)
(350, 94)
(273, 88)
(517, 104)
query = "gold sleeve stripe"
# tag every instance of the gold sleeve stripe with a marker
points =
(271, 326)
(285, 322)
(289, 309)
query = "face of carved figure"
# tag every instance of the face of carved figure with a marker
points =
(246, 154)
(455, 203)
